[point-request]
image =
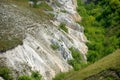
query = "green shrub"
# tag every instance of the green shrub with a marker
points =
(77, 59)
(59, 76)
(76, 54)
(51, 15)
(36, 76)
(25, 78)
(44, 6)
(109, 78)
(100, 23)
(74, 64)
(63, 27)
(54, 47)
(5, 73)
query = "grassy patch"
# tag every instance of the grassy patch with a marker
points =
(10, 36)
(39, 10)
(57, 3)
(59, 76)
(64, 11)
(34, 76)
(24, 78)
(45, 6)
(54, 47)
(63, 27)
(110, 61)
(9, 44)
(77, 61)
(5, 73)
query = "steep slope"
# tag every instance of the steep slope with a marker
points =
(108, 63)
(35, 52)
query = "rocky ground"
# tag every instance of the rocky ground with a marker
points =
(37, 36)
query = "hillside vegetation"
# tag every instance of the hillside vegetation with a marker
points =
(109, 62)
(102, 27)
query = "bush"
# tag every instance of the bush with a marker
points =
(63, 27)
(76, 54)
(5, 73)
(54, 47)
(34, 76)
(77, 59)
(100, 23)
(74, 64)
(59, 76)
(25, 78)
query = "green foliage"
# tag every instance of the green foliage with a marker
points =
(25, 78)
(64, 11)
(57, 3)
(59, 76)
(9, 44)
(110, 13)
(76, 54)
(5, 73)
(10, 36)
(77, 62)
(109, 78)
(34, 76)
(44, 6)
(74, 64)
(63, 27)
(111, 61)
(54, 47)
(51, 15)
(101, 27)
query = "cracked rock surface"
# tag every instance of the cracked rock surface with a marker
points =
(36, 53)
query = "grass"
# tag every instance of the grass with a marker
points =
(45, 6)
(34, 76)
(63, 27)
(110, 61)
(54, 47)
(9, 44)
(39, 10)
(77, 61)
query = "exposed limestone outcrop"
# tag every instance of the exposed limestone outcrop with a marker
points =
(1, 78)
(36, 53)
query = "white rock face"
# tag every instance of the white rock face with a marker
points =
(1, 78)
(36, 51)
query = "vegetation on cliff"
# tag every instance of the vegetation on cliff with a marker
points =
(102, 24)
(102, 28)
(110, 62)
(34, 76)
